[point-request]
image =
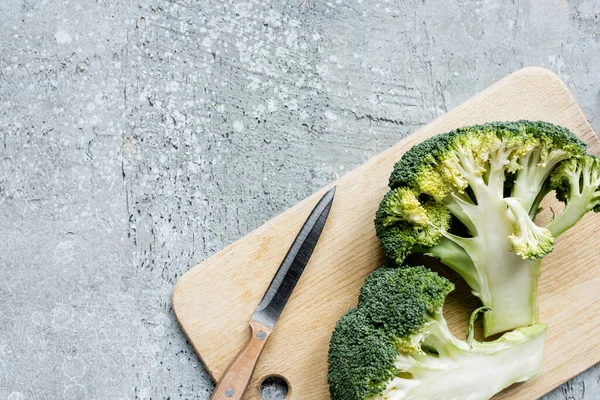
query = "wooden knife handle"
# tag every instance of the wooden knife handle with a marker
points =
(233, 383)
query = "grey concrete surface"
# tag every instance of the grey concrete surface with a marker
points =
(139, 137)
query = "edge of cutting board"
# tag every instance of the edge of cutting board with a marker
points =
(201, 314)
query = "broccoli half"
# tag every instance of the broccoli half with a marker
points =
(469, 197)
(396, 346)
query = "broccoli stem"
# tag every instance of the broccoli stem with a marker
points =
(567, 218)
(515, 357)
(504, 281)
(530, 180)
(471, 332)
(535, 206)
(576, 208)
(510, 281)
(512, 287)
(449, 253)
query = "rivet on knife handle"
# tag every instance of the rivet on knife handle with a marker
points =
(233, 383)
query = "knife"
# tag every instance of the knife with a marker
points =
(234, 381)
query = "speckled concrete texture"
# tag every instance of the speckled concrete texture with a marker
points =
(140, 137)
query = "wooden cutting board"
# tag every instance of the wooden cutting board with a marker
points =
(215, 300)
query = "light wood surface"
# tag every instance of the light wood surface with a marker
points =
(215, 300)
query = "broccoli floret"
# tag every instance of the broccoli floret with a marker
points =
(528, 233)
(577, 183)
(396, 345)
(469, 198)
(362, 355)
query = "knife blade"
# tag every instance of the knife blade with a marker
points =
(293, 264)
(237, 376)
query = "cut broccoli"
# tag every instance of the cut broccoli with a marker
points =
(469, 197)
(396, 346)
(577, 183)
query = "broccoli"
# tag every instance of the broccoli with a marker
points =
(469, 198)
(396, 345)
(577, 183)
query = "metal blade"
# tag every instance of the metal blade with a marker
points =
(293, 264)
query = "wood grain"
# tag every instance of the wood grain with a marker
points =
(215, 300)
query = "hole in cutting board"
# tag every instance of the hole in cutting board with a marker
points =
(274, 387)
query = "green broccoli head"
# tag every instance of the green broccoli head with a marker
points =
(469, 197)
(468, 167)
(394, 305)
(418, 167)
(361, 358)
(396, 345)
(402, 300)
(403, 222)
(430, 165)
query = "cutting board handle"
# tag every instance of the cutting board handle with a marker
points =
(234, 381)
